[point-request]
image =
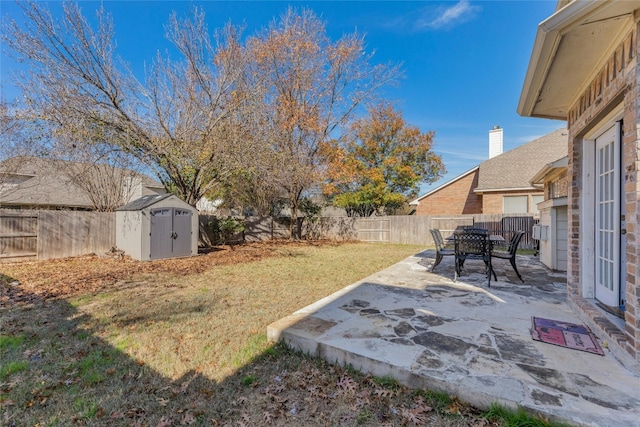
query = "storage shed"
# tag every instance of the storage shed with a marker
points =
(157, 226)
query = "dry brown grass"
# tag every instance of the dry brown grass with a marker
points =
(111, 341)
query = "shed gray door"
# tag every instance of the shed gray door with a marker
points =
(181, 232)
(161, 239)
(170, 233)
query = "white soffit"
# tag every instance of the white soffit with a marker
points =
(570, 47)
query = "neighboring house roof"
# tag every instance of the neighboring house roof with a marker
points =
(36, 181)
(568, 47)
(514, 169)
(446, 184)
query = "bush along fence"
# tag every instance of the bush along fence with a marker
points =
(44, 234)
(256, 229)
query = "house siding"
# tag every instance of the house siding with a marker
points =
(456, 198)
(614, 84)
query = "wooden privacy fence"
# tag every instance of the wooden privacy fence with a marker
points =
(45, 234)
(415, 229)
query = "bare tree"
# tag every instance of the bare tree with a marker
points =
(311, 87)
(179, 122)
(19, 140)
(108, 176)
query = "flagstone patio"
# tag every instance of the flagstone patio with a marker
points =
(469, 340)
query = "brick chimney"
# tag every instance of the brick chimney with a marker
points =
(495, 141)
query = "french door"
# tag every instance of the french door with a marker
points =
(608, 217)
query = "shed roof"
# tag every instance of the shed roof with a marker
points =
(514, 169)
(145, 201)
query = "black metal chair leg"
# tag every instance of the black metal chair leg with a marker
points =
(513, 264)
(438, 259)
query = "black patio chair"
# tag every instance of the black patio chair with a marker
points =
(442, 249)
(509, 253)
(475, 245)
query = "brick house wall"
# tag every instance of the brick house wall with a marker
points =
(492, 203)
(456, 198)
(614, 84)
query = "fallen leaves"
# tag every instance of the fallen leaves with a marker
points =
(66, 277)
(347, 384)
(285, 388)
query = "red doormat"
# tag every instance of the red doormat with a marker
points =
(570, 335)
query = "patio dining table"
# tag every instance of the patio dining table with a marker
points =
(493, 238)
(474, 248)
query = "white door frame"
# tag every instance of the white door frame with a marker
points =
(607, 225)
(587, 204)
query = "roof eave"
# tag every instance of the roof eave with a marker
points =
(547, 170)
(501, 190)
(416, 202)
(547, 41)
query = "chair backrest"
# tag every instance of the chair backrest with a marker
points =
(515, 241)
(437, 239)
(472, 242)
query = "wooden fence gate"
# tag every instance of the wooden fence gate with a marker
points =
(18, 236)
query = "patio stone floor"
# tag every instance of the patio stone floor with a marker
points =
(467, 339)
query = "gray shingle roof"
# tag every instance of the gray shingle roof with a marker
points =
(36, 181)
(515, 168)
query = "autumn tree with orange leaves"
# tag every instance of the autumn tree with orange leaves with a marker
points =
(310, 88)
(381, 162)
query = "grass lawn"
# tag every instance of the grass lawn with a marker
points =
(111, 341)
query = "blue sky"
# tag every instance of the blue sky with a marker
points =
(464, 61)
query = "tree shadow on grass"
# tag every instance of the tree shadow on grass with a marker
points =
(63, 373)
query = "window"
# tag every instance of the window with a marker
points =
(515, 204)
(558, 188)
